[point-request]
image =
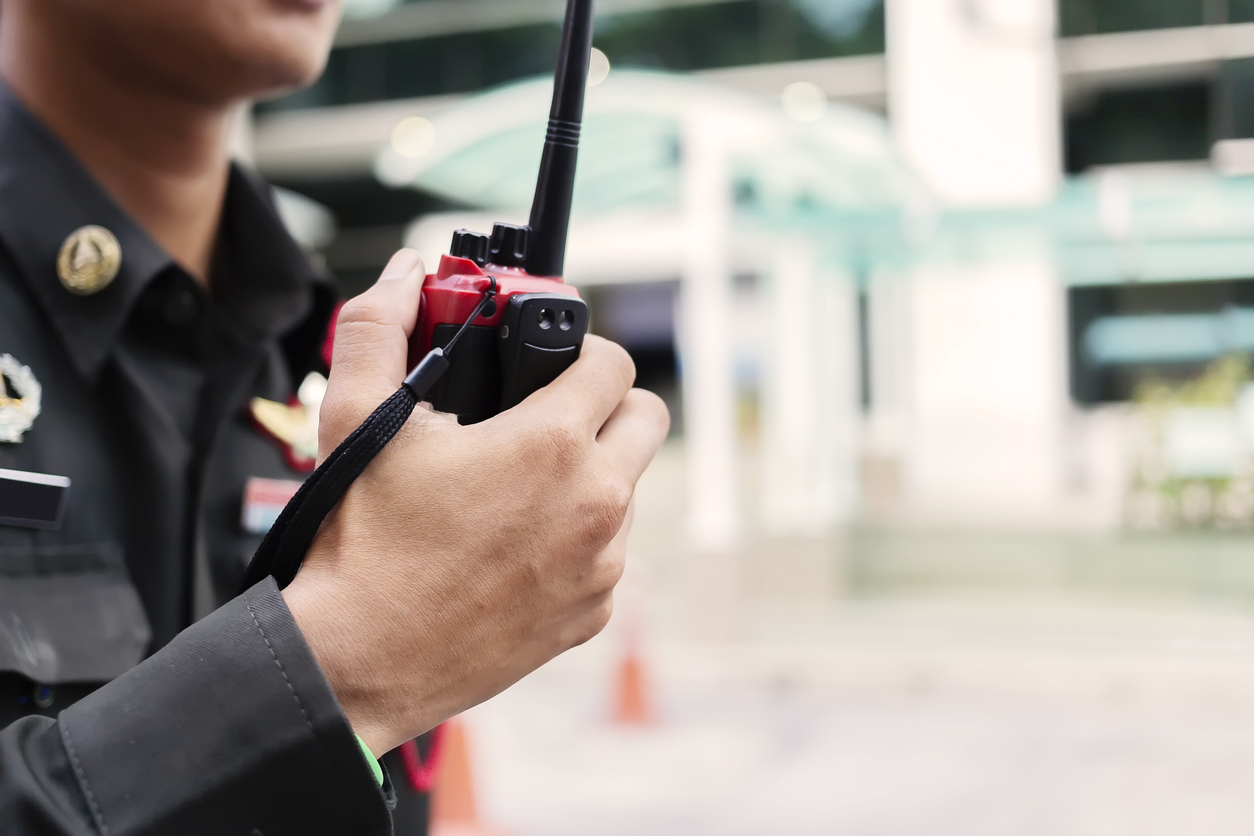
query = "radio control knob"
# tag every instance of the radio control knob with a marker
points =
(508, 247)
(470, 245)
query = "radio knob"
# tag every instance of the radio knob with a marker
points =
(470, 245)
(508, 247)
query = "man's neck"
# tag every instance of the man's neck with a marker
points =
(162, 158)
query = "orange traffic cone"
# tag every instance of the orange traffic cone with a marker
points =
(453, 808)
(632, 706)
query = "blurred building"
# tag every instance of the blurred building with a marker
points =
(1080, 167)
(1093, 203)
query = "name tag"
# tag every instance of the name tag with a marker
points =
(264, 500)
(32, 500)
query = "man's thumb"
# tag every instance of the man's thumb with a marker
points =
(371, 347)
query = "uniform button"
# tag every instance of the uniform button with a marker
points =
(89, 260)
(43, 696)
(181, 308)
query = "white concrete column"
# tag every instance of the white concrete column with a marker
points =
(809, 394)
(837, 367)
(989, 395)
(974, 97)
(709, 385)
(974, 107)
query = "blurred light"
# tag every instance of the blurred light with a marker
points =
(368, 8)
(804, 101)
(393, 170)
(413, 136)
(1114, 205)
(1233, 157)
(598, 67)
(309, 222)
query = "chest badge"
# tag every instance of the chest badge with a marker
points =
(21, 398)
(294, 425)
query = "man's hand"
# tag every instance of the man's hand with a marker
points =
(466, 557)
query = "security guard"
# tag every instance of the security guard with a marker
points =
(149, 421)
(158, 330)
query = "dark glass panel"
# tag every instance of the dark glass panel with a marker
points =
(1094, 17)
(1093, 383)
(1136, 126)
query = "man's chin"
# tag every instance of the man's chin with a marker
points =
(278, 75)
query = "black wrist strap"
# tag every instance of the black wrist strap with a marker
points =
(284, 547)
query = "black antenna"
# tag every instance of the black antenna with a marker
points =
(550, 213)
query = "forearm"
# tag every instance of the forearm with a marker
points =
(230, 729)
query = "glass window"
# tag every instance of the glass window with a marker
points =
(1122, 334)
(1094, 17)
(1241, 11)
(1159, 124)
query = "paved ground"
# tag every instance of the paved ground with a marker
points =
(898, 718)
(896, 683)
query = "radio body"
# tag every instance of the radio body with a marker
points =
(522, 343)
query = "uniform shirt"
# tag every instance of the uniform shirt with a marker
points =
(230, 727)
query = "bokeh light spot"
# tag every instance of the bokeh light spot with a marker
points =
(804, 101)
(413, 136)
(598, 67)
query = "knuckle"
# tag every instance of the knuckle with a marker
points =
(652, 404)
(613, 357)
(621, 363)
(360, 321)
(617, 495)
(591, 623)
(602, 613)
(606, 509)
(609, 571)
(357, 310)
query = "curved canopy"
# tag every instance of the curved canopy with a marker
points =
(836, 178)
(485, 150)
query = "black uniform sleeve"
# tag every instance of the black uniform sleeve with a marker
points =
(230, 729)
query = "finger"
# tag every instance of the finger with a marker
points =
(590, 390)
(634, 433)
(373, 330)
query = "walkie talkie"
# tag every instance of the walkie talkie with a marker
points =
(496, 323)
(536, 327)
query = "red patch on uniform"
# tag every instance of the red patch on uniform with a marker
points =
(328, 344)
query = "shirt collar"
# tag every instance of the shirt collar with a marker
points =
(267, 283)
(46, 194)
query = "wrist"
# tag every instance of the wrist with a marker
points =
(336, 648)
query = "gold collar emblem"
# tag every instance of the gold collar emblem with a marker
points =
(21, 398)
(89, 260)
(295, 426)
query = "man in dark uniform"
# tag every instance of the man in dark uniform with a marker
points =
(150, 301)
(173, 412)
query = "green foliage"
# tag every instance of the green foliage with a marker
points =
(1158, 499)
(1219, 386)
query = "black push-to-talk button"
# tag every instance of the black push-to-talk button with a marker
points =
(538, 367)
(540, 336)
